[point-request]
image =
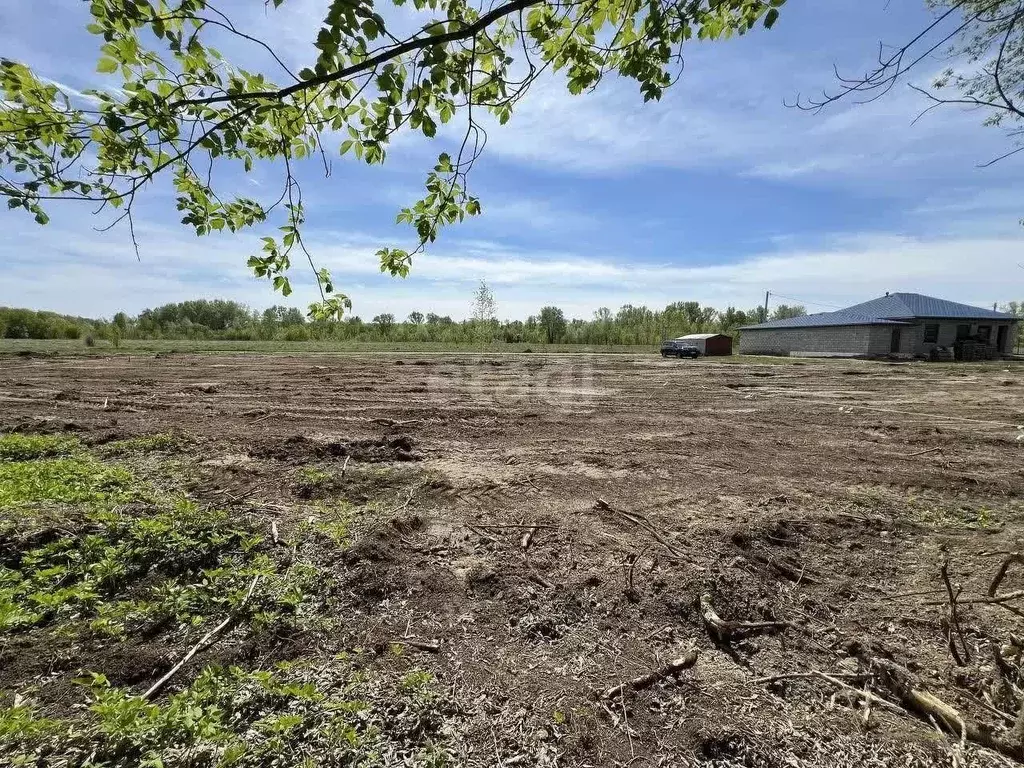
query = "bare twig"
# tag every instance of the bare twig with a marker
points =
(997, 600)
(918, 453)
(205, 642)
(631, 567)
(641, 523)
(646, 681)
(723, 630)
(345, 465)
(430, 646)
(933, 709)
(954, 618)
(273, 532)
(1014, 557)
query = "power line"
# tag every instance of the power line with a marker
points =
(804, 301)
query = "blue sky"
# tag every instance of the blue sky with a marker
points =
(716, 194)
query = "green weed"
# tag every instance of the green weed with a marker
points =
(18, 447)
(230, 717)
(78, 480)
(82, 575)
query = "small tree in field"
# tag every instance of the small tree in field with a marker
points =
(485, 312)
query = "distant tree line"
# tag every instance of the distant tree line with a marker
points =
(229, 320)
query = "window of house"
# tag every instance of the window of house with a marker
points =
(931, 333)
(985, 332)
(963, 332)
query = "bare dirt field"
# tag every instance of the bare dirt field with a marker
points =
(531, 532)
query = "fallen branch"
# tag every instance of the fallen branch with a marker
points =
(524, 543)
(274, 536)
(207, 640)
(866, 695)
(723, 630)
(394, 423)
(997, 600)
(646, 681)
(430, 646)
(514, 526)
(833, 679)
(918, 453)
(932, 709)
(1015, 557)
(345, 465)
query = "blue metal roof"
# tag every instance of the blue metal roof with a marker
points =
(889, 310)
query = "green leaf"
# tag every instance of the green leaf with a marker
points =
(771, 17)
(106, 66)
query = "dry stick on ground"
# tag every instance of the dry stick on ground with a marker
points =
(930, 708)
(642, 523)
(514, 526)
(954, 618)
(997, 600)
(800, 676)
(275, 537)
(429, 646)
(345, 465)
(524, 543)
(646, 681)
(1014, 557)
(723, 630)
(393, 423)
(207, 640)
(833, 680)
(631, 563)
(918, 453)
(1005, 676)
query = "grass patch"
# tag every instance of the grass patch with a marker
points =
(230, 717)
(164, 441)
(18, 447)
(312, 483)
(335, 522)
(85, 546)
(78, 480)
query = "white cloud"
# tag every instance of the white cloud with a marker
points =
(50, 268)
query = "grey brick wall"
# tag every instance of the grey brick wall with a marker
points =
(848, 339)
(868, 340)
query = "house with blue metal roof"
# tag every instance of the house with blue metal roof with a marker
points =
(901, 324)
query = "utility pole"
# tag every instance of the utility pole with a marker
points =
(766, 295)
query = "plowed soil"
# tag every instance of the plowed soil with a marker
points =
(552, 523)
